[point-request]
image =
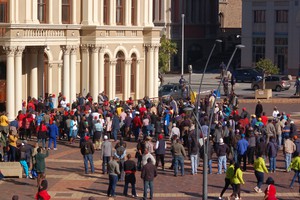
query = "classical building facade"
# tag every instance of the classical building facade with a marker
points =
(271, 29)
(77, 46)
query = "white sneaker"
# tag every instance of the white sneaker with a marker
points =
(55, 149)
(220, 197)
(259, 190)
(256, 189)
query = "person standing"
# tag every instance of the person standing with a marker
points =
(178, 153)
(87, 150)
(272, 150)
(160, 151)
(228, 177)
(23, 159)
(270, 192)
(237, 180)
(222, 151)
(259, 169)
(115, 126)
(113, 172)
(270, 130)
(4, 123)
(40, 164)
(42, 131)
(258, 109)
(130, 169)
(106, 153)
(288, 149)
(149, 172)
(242, 146)
(295, 165)
(53, 134)
(12, 141)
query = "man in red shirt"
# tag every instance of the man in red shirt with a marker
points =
(264, 118)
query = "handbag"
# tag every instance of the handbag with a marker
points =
(34, 173)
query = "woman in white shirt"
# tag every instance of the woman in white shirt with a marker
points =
(275, 112)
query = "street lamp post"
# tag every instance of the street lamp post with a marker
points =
(182, 43)
(239, 46)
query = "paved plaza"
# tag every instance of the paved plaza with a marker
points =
(65, 174)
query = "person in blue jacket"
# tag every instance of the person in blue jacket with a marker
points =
(166, 122)
(242, 146)
(53, 133)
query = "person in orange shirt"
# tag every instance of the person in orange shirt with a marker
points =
(12, 140)
(4, 123)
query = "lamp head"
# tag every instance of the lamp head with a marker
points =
(239, 46)
(218, 41)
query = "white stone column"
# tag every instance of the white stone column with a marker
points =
(112, 13)
(34, 11)
(27, 11)
(101, 10)
(101, 69)
(155, 65)
(10, 85)
(59, 10)
(85, 69)
(59, 74)
(73, 12)
(127, 78)
(146, 12)
(150, 13)
(50, 11)
(137, 79)
(34, 72)
(138, 13)
(73, 76)
(49, 78)
(87, 7)
(128, 13)
(112, 79)
(16, 8)
(95, 12)
(66, 73)
(12, 10)
(150, 70)
(41, 67)
(18, 78)
(94, 72)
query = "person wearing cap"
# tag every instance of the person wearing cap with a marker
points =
(222, 151)
(106, 153)
(295, 166)
(160, 151)
(242, 146)
(270, 192)
(149, 172)
(87, 150)
(288, 149)
(113, 171)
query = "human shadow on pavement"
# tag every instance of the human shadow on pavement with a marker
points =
(191, 194)
(20, 182)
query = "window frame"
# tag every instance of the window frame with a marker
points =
(5, 15)
(120, 65)
(282, 16)
(120, 12)
(68, 6)
(133, 73)
(259, 16)
(106, 8)
(134, 12)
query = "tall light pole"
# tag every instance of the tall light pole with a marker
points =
(239, 46)
(182, 43)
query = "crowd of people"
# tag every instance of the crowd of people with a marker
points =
(157, 127)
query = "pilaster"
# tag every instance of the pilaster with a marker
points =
(49, 78)
(127, 73)
(41, 68)
(85, 69)
(112, 79)
(66, 72)
(137, 79)
(18, 78)
(150, 70)
(101, 69)
(34, 72)
(73, 70)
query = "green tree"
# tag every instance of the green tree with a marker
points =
(166, 50)
(267, 67)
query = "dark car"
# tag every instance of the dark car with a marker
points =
(274, 82)
(247, 75)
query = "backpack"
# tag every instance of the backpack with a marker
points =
(86, 149)
(120, 151)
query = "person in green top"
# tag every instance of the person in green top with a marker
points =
(228, 177)
(260, 168)
(295, 165)
(237, 180)
(40, 165)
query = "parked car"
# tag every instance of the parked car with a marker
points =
(171, 89)
(274, 82)
(247, 75)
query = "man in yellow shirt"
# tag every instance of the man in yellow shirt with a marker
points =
(260, 168)
(4, 123)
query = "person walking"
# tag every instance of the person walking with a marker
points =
(259, 169)
(113, 171)
(149, 172)
(87, 150)
(222, 151)
(193, 151)
(242, 146)
(295, 165)
(42, 131)
(237, 180)
(228, 177)
(23, 159)
(129, 169)
(288, 149)
(270, 192)
(160, 151)
(272, 149)
(53, 134)
(178, 153)
(106, 153)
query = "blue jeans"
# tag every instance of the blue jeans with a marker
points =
(279, 140)
(136, 133)
(297, 174)
(148, 184)
(50, 142)
(115, 134)
(210, 166)
(113, 179)
(166, 130)
(221, 162)
(288, 160)
(181, 162)
(43, 142)
(105, 160)
(25, 166)
(88, 158)
(260, 178)
(194, 163)
(272, 161)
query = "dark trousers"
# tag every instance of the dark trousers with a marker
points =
(129, 178)
(113, 179)
(227, 183)
(251, 151)
(237, 190)
(240, 157)
(260, 178)
(12, 153)
(105, 160)
(160, 157)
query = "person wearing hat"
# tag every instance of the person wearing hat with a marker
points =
(87, 150)
(222, 151)
(270, 192)
(295, 165)
(242, 146)
(106, 153)
(297, 143)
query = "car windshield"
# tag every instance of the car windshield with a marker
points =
(285, 78)
(166, 88)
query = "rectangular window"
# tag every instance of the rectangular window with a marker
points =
(66, 11)
(282, 16)
(3, 11)
(120, 12)
(281, 53)
(258, 48)
(42, 11)
(106, 12)
(133, 12)
(259, 16)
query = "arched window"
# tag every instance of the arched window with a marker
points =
(120, 12)
(133, 12)
(3, 11)
(119, 72)
(106, 71)
(133, 72)
(66, 12)
(42, 11)
(221, 20)
(106, 12)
